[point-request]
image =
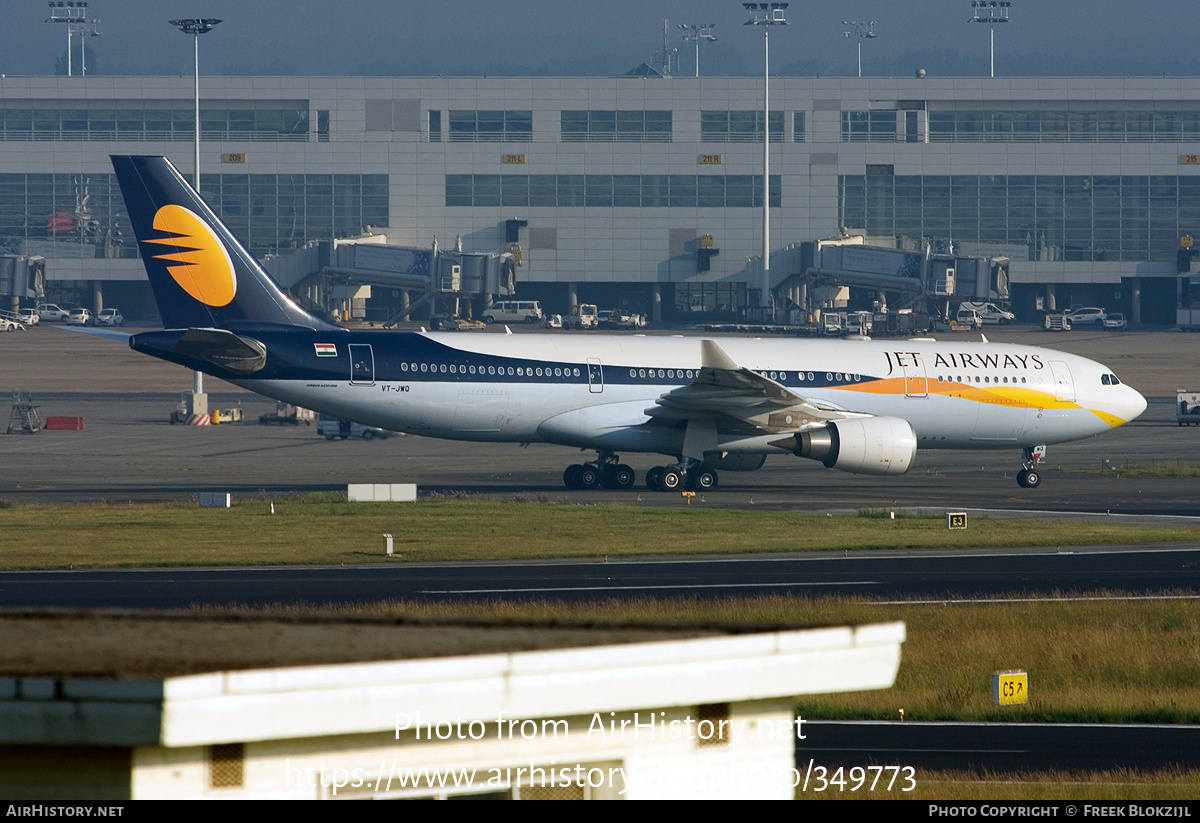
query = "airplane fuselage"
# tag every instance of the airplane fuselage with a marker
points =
(593, 391)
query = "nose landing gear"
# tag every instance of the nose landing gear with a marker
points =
(1030, 477)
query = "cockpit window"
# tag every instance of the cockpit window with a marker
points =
(1109, 380)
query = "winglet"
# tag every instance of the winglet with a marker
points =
(712, 356)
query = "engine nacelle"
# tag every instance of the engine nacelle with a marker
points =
(867, 445)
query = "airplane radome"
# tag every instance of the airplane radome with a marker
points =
(712, 405)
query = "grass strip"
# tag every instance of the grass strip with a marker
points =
(316, 530)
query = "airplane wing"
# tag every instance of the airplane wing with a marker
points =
(740, 399)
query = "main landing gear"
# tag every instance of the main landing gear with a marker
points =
(685, 475)
(1030, 477)
(605, 472)
(608, 472)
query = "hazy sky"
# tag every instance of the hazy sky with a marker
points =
(607, 37)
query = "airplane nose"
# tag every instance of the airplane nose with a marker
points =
(1135, 405)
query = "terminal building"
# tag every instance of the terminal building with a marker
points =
(640, 191)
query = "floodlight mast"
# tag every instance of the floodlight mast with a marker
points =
(74, 14)
(997, 12)
(694, 33)
(766, 15)
(196, 26)
(862, 31)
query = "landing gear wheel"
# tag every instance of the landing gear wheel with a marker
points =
(654, 479)
(618, 477)
(671, 479)
(1029, 478)
(571, 476)
(589, 476)
(702, 480)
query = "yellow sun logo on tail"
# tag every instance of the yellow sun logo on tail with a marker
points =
(198, 260)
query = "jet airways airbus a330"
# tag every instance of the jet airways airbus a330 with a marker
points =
(859, 406)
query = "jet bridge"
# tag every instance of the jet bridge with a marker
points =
(912, 276)
(22, 277)
(340, 269)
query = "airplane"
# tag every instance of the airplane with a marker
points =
(712, 404)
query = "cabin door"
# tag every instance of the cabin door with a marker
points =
(595, 375)
(362, 365)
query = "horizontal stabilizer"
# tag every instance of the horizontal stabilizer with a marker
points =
(243, 355)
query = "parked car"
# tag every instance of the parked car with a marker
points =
(79, 317)
(51, 313)
(1087, 316)
(109, 317)
(1116, 322)
(20, 319)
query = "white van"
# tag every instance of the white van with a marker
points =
(514, 311)
(989, 312)
(968, 319)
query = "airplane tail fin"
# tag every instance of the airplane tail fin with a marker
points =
(201, 275)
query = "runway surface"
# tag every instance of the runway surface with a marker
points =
(940, 575)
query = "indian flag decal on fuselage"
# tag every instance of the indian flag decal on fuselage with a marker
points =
(325, 349)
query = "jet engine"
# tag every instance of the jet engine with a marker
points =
(868, 445)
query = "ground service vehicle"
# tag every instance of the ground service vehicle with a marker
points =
(582, 316)
(859, 406)
(332, 428)
(514, 311)
(969, 318)
(1187, 407)
(989, 313)
(1057, 322)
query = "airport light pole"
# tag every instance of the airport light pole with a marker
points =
(862, 31)
(997, 12)
(197, 26)
(766, 15)
(694, 33)
(74, 14)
